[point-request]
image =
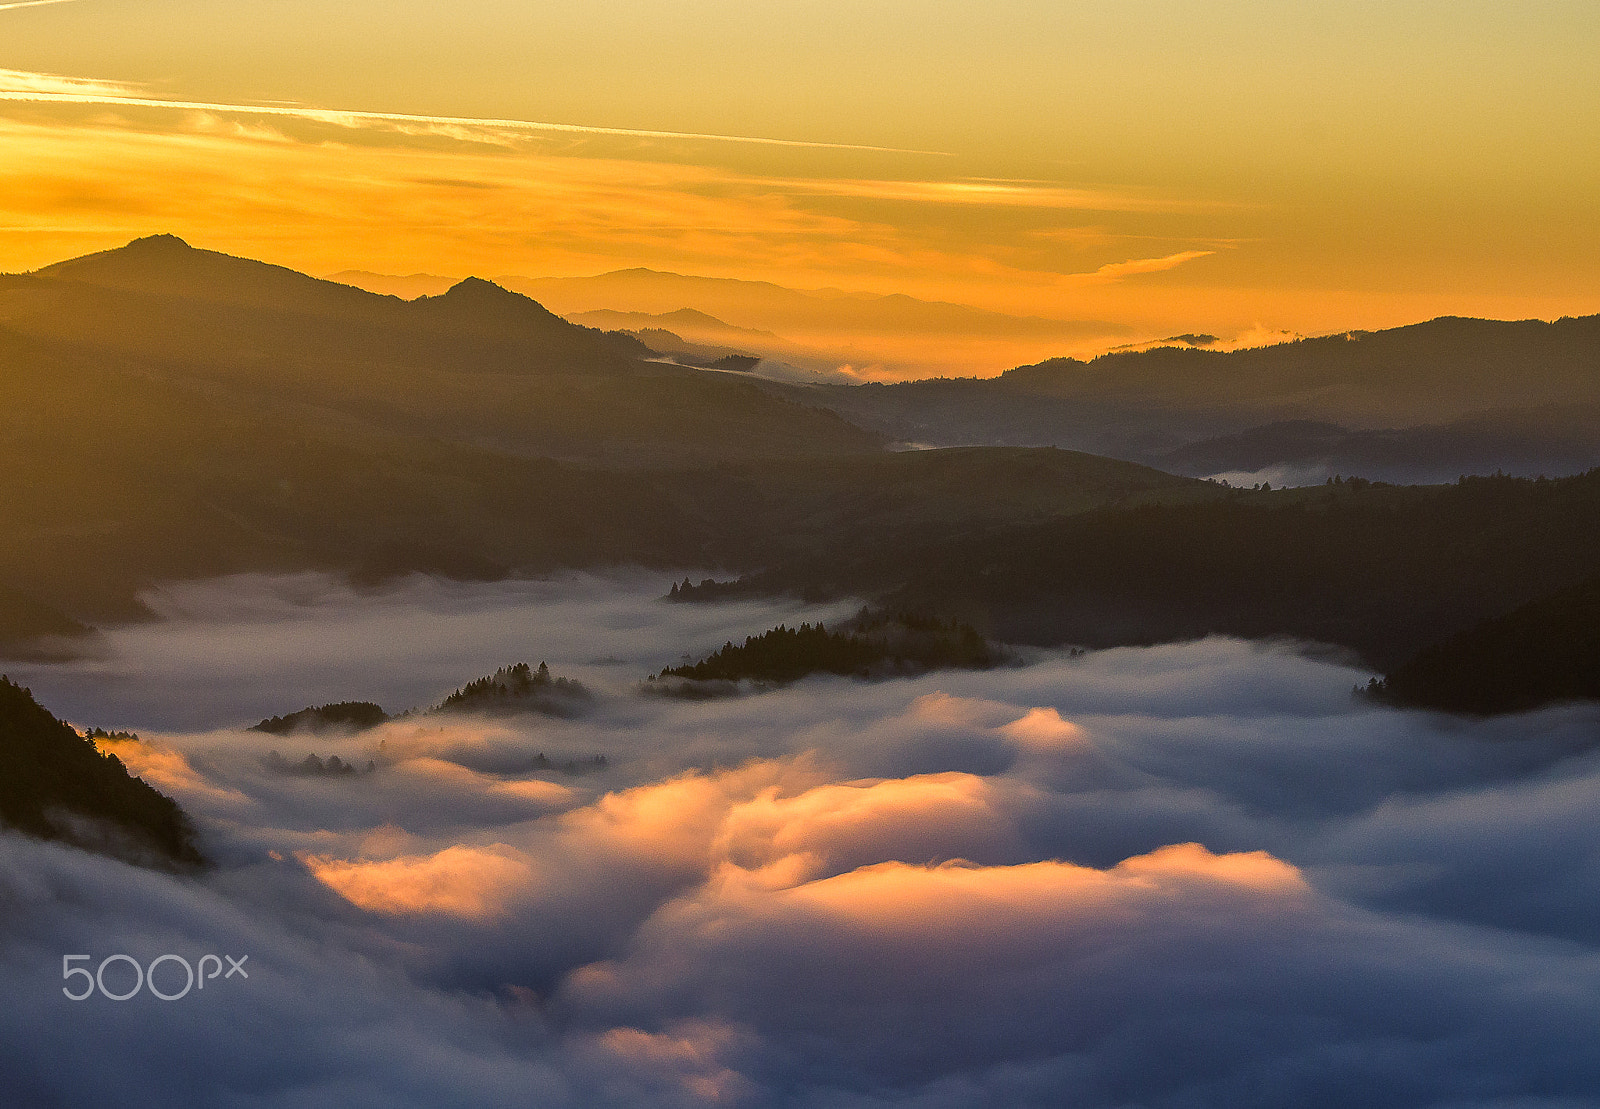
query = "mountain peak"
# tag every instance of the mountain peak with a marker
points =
(164, 241)
(476, 295)
(477, 287)
(165, 265)
(482, 305)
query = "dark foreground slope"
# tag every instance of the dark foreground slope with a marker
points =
(54, 784)
(1546, 652)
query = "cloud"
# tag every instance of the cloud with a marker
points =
(237, 650)
(1003, 194)
(1116, 271)
(31, 4)
(461, 881)
(1196, 874)
(20, 85)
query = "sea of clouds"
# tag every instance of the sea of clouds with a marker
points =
(1192, 875)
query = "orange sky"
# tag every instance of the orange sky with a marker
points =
(1150, 167)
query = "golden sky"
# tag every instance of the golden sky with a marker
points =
(1151, 166)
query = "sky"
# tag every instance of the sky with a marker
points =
(1191, 874)
(1152, 167)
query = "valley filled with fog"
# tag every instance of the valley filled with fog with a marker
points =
(1196, 873)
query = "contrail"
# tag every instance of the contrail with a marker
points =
(355, 119)
(31, 4)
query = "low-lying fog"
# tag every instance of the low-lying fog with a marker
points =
(239, 649)
(1189, 875)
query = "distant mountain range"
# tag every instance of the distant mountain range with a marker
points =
(686, 322)
(167, 412)
(1420, 403)
(1552, 440)
(815, 329)
(1423, 403)
(409, 287)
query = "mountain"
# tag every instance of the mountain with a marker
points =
(685, 322)
(823, 329)
(477, 365)
(169, 413)
(158, 297)
(771, 513)
(1545, 652)
(345, 717)
(514, 690)
(29, 628)
(1553, 440)
(55, 784)
(872, 645)
(763, 304)
(1146, 405)
(1381, 570)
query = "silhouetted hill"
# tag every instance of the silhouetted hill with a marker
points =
(771, 512)
(681, 320)
(345, 716)
(127, 471)
(821, 329)
(1553, 440)
(27, 626)
(873, 645)
(1546, 652)
(478, 365)
(1145, 405)
(518, 689)
(169, 413)
(764, 304)
(54, 784)
(216, 310)
(314, 766)
(1381, 570)
(166, 265)
(482, 308)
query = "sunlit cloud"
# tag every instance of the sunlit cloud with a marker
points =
(1045, 729)
(1038, 878)
(458, 881)
(22, 85)
(1116, 271)
(32, 4)
(170, 771)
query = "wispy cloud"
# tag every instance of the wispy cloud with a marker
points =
(1116, 271)
(32, 4)
(18, 85)
(991, 194)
